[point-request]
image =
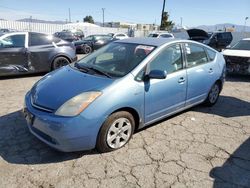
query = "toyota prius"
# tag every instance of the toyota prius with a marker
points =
(99, 101)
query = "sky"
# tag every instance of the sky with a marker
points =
(192, 12)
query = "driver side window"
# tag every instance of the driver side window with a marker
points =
(13, 41)
(169, 59)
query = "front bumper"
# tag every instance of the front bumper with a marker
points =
(62, 133)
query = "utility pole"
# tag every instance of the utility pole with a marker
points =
(181, 21)
(163, 9)
(103, 9)
(69, 16)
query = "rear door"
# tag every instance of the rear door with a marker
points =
(13, 54)
(200, 73)
(40, 51)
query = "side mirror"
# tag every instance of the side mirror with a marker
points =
(156, 74)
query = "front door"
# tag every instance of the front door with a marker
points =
(165, 96)
(13, 56)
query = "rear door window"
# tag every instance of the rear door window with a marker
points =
(36, 39)
(195, 55)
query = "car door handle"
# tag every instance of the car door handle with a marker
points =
(181, 80)
(210, 70)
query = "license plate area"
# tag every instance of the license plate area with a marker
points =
(28, 116)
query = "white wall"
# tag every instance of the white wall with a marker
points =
(52, 28)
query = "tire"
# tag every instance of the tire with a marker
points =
(59, 62)
(115, 132)
(86, 49)
(213, 95)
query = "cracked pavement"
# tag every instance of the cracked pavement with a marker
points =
(201, 147)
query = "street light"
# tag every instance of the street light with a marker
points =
(245, 24)
(103, 9)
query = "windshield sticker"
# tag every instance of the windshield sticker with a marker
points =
(147, 49)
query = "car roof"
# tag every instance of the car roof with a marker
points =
(147, 41)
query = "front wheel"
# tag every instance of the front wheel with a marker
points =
(116, 131)
(213, 95)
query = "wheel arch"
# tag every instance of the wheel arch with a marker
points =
(133, 112)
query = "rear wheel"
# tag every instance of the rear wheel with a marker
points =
(86, 49)
(59, 62)
(213, 95)
(116, 131)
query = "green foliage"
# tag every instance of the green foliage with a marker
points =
(88, 19)
(166, 23)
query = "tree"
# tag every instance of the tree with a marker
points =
(88, 19)
(166, 23)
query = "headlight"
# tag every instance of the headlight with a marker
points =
(77, 104)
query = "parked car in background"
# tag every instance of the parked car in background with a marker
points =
(77, 33)
(124, 86)
(30, 52)
(66, 35)
(118, 36)
(92, 42)
(161, 35)
(216, 40)
(238, 58)
(4, 30)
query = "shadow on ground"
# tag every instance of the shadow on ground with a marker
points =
(235, 172)
(227, 107)
(238, 78)
(19, 146)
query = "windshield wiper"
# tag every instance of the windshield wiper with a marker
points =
(86, 69)
(81, 68)
(100, 72)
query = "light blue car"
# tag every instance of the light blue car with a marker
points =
(99, 101)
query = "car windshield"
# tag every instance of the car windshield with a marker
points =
(153, 35)
(242, 45)
(116, 59)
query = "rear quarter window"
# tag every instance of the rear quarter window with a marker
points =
(211, 54)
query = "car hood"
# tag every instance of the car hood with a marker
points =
(57, 87)
(197, 34)
(237, 53)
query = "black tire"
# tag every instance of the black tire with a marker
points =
(59, 62)
(86, 49)
(213, 95)
(102, 139)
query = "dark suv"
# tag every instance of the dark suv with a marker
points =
(29, 52)
(217, 40)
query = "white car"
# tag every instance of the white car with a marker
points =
(161, 35)
(238, 57)
(118, 36)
